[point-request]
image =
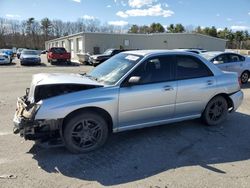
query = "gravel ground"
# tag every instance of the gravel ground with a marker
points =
(186, 154)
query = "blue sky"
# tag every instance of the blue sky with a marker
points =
(234, 14)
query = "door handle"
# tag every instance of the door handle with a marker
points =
(210, 82)
(168, 88)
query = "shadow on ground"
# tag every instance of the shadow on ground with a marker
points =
(65, 64)
(34, 65)
(138, 154)
(9, 64)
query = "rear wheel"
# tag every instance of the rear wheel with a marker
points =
(244, 77)
(216, 111)
(85, 132)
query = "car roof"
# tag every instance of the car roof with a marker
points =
(157, 52)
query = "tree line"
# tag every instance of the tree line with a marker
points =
(32, 33)
(236, 39)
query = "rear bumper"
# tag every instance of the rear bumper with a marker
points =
(29, 62)
(237, 99)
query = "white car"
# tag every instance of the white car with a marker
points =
(4, 58)
(232, 62)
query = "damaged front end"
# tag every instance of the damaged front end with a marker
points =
(46, 86)
(27, 126)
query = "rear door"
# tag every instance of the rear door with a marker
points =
(153, 99)
(196, 85)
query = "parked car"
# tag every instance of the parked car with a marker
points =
(232, 62)
(58, 54)
(193, 50)
(44, 51)
(132, 90)
(4, 58)
(8, 52)
(30, 57)
(18, 53)
(100, 58)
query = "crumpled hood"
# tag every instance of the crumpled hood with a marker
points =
(62, 78)
(59, 78)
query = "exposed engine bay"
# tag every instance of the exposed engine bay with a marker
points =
(47, 91)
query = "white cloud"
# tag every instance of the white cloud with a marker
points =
(155, 10)
(118, 23)
(240, 27)
(12, 15)
(220, 29)
(140, 3)
(87, 17)
(122, 14)
(218, 15)
(77, 1)
(108, 6)
(229, 19)
(249, 13)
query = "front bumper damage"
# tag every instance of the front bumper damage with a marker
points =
(28, 127)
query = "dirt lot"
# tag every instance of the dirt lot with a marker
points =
(186, 154)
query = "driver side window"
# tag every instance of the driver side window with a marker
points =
(154, 70)
(221, 58)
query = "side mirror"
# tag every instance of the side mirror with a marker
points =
(134, 80)
(218, 62)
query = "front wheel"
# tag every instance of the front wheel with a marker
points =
(244, 77)
(216, 111)
(85, 132)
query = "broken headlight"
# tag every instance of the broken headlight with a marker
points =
(31, 110)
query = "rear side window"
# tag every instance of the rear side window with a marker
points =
(57, 50)
(188, 67)
(235, 58)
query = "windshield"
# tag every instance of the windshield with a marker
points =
(108, 52)
(29, 52)
(112, 70)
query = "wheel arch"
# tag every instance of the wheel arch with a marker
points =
(93, 109)
(225, 96)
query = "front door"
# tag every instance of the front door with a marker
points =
(153, 98)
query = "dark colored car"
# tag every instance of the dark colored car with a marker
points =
(30, 57)
(99, 58)
(58, 54)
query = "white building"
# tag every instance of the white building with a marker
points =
(95, 43)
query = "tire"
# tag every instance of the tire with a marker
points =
(216, 111)
(85, 132)
(244, 77)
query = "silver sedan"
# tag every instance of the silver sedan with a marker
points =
(132, 90)
(231, 62)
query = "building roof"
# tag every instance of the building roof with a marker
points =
(133, 34)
